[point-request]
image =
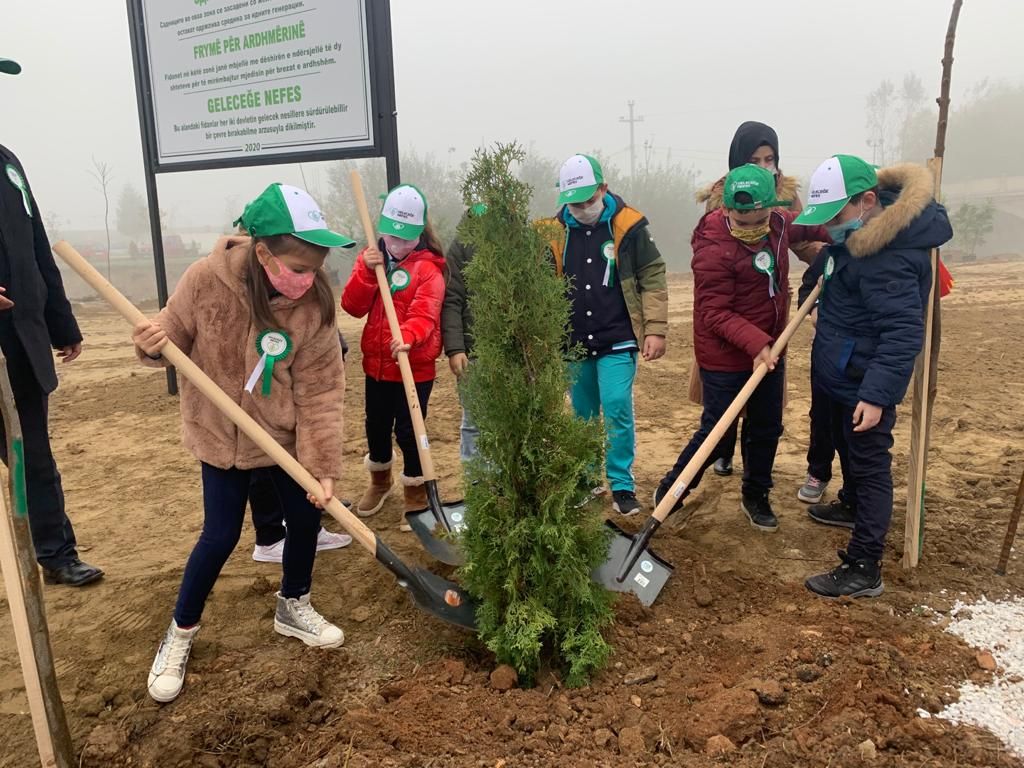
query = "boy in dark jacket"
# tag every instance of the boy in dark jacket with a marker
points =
(740, 306)
(870, 329)
(619, 299)
(457, 329)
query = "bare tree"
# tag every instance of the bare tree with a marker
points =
(52, 221)
(103, 174)
(881, 104)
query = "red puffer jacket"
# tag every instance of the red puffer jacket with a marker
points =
(418, 306)
(734, 315)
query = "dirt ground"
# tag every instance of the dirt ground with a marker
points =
(734, 646)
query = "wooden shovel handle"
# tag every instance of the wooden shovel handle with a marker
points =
(224, 404)
(418, 425)
(732, 413)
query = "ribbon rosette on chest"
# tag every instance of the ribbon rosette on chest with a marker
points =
(399, 280)
(608, 252)
(271, 346)
(764, 262)
(14, 176)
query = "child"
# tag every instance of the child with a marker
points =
(457, 329)
(758, 144)
(256, 309)
(414, 261)
(869, 331)
(619, 301)
(268, 514)
(740, 306)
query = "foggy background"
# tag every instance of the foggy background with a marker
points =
(829, 77)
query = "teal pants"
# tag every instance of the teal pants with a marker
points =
(606, 384)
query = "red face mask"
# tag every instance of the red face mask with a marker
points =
(288, 282)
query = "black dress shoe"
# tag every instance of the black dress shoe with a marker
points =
(74, 574)
(723, 467)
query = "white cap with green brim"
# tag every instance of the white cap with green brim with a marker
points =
(285, 210)
(404, 213)
(9, 66)
(833, 183)
(578, 179)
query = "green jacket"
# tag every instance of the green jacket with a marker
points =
(456, 319)
(639, 265)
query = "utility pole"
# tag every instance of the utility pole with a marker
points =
(632, 138)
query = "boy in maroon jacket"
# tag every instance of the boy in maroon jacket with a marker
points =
(740, 307)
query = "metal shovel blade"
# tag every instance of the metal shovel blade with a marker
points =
(438, 525)
(431, 593)
(647, 576)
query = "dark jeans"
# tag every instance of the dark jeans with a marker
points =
(266, 506)
(866, 460)
(225, 492)
(52, 534)
(821, 450)
(387, 411)
(761, 429)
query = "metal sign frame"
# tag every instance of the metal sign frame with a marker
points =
(382, 108)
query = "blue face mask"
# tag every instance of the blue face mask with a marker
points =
(839, 232)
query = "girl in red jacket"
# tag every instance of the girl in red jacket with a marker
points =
(414, 261)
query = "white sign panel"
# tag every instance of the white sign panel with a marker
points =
(244, 78)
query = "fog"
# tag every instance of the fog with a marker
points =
(554, 76)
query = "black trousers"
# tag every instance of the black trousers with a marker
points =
(762, 427)
(866, 459)
(821, 449)
(387, 412)
(52, 534)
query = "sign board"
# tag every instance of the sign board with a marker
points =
(245, 82)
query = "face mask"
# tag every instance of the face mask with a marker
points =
(289, 283)
(751, 236)
(588, 213)
(839, 232)
(399, 248)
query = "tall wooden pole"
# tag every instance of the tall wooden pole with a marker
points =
(25, 598)
(926, 368)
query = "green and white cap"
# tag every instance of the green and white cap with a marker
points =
(755, 181)
(285, 210)
(9, 66)
(578, 179)
(404, 213)
(833, 183)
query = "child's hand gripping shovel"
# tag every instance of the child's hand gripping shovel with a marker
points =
(430, 592)
(631, 566)
(451, 516)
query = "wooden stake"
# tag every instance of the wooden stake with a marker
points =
(1011, 529)
(927, 364)
(25, 598)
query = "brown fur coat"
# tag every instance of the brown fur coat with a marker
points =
(208, 318)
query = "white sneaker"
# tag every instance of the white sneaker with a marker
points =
(274, 553)
(295, 617)
(167, 675)
(328, 540)
(269, 553)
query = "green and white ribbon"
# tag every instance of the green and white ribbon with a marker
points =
(15, 177)
(399, 280)
(272, 346)
(830, 268)
(608, 251)
(764, 262)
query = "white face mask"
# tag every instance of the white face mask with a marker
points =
(588, 213)
(399, 248)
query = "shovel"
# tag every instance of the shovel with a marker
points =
(631, 565)
(436, 525)
(430, 592)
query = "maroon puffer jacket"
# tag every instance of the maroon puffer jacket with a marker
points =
(734, 316)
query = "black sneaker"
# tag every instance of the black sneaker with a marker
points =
(837, 512)
(759, 511)
(723, 467)
(625, 503)
(659, 494)
(852, 578)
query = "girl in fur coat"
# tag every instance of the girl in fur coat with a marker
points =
(258, 316)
